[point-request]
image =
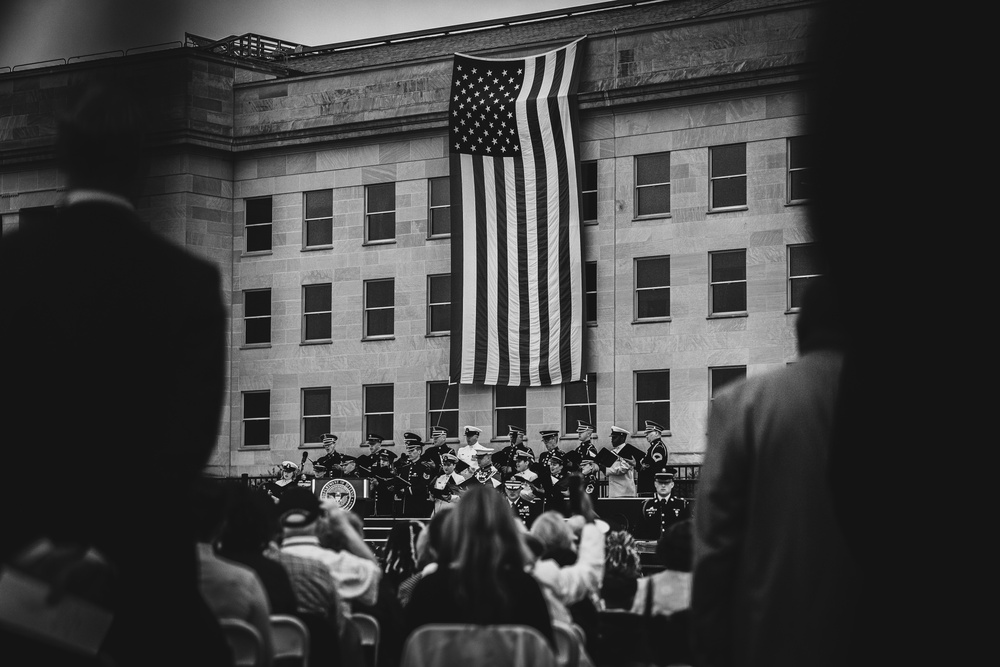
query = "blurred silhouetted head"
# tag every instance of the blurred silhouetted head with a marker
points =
(819, 324)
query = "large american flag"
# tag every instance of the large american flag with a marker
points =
(517, 278)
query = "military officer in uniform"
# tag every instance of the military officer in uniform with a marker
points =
(504, 459)
(418, 472)
(486, 473)
(550, 439)
(376, 466)
(585, 432)
(467, 452)
(438, 445)
(590, 472)
(662, 510)
(621, 473)
(447, 487)
(524, 509)
(655, 459)
(333, 463)
(555, 484)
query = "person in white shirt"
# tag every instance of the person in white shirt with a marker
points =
(467, 453)
(621, 473)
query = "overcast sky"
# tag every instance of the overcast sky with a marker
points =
(37, 30)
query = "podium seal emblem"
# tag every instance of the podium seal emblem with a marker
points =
(341, 491)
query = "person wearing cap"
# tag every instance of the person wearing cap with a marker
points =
(286, 480)
(590, 472)
(621, 473)
(486, 473)
(467, 452)
(550, 439)
(504, 459)
(333, 463)
(585, 432)
(376, 466)
(438, 446)
(412, 468)
(655, 459)
(525, 508)
(555, 484)
(662, 510)
(447, 487)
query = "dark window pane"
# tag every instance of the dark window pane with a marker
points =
(379, 399)
(801, 184)
(507, 396)
(258, 330)
(508, 418)
(257, 432)
(652, 386)
(590, 269)
(257, 404)
(652, 272)
(381, 226)
(258, 210)
(729, 192)
(657, 412)
(319, 204)
(449, 420)
(591, 307)
(319, 232)
(440, 191)
(799, 287)
(575, 413)
(258, 238)
(804, 260)
(652, 169)
(381, 197)
(380, 424)
(257, 302)
(589, 206)
(440, 221)
(653, 200)
(379, 293)
(441, 397)
(580, 392)
(318, 327)
(729, 298)
(440, 318)
(315, 428)
(800, 152)
(379, 322)
(729, 160)
(723, 376)
(316, 402)
(588, 176)
(440, 288)
(729, 266)
(653, 303)
(318, 297)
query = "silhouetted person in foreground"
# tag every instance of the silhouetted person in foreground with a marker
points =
(113, 371)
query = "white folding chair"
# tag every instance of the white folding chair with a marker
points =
(245, 641)
(290, 638)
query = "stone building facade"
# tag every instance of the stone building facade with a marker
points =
(308, 177)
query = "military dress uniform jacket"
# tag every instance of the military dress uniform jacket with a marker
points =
(659, 514)
(556, 492)
(328, 461)
(416, 496)
(653, 462)
(526, 510)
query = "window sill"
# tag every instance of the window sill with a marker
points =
(437, 334)
(591, 223)
(798, 202)
(254, 448)
(592, 325)
(256, 253)
(377, 338)
(652, 216)
(728, 209)
(255, 346)
(724, 316)
(650, 320)
(439, 237)
(793, 311)
(573, 437)
(381, 242)
(325, 341)
(310, 248)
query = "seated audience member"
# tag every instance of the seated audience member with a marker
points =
(622, 569)
(398, 556)
(232, 590)
(428, 547)
(672, 586)
(247, 531)
(482, 578)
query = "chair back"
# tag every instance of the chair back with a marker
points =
(370, 632)
(290, 638)
(462, 645)
(567, 644)
(245, 641)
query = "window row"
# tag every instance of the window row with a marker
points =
(727, 191)
(727, 296)
(510, 406)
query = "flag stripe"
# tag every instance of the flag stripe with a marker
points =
(503, 286)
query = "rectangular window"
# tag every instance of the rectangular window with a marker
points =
(257, 317)
(315, 414)
(652, 398)
(317, 312)
(379, 307)
(378, 410)
(509, 409)
(33, 215)
(804, 265)
(590, 303)
(439, 207)
(728, 292)
(380, 212)
(652, 184)
(319, 218)
(728, 181)
(588, 188)
(720, 376)
(439, 304)
(257, 229)
(442, 407)
(579, 402)
(652, 288)
(800, 159)
(256, 418)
